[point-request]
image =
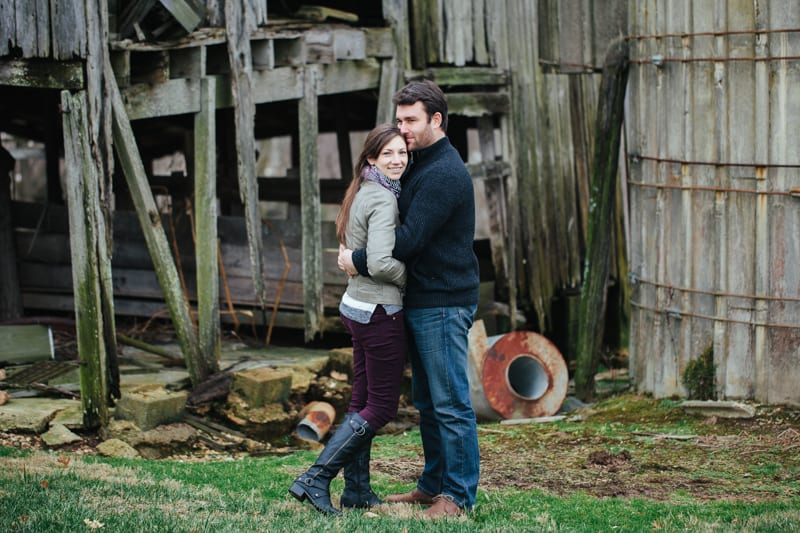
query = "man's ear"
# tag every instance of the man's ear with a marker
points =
(436, 120)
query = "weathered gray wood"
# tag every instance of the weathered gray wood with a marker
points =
(428, 45)
(308, 129)
(390, 79)
(480, 47)
(205, 207)
(42, 27)
(82, 183)
(347, 76)
(496, 203)
(349, 44)
(150, 221)
(25, 14)
(396, 15)
(11, 301)
(478, 104)
(379, 42)
(69, 33)
(184, 12)
(216, 13)
(610, 115)
(98, 111)
(461, 76)
(42, 74)
(457, 19)
(26, 343)
(238, 27)
(180, 96)
(8, 30)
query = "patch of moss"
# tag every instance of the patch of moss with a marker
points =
(699, 376)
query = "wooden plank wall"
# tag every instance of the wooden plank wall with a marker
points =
(45, 271)
(715, 232)
(555, 54)
(43, 28)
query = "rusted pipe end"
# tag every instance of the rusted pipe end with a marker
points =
(524, 376)
(317, 420)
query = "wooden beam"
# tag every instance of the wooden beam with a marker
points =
(42, 73)
(607, 139)
(458, 76)
(82, 187)
(478, 104)
(390, 79)
(11, 302)
(155, 236)
(181, 96)
(238, 26)
(184, 12)
(205, 208)
(308, 129)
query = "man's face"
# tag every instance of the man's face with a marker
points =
(415, 126)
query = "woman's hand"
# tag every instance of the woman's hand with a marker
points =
(345, 261)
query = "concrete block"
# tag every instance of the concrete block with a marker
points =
(261, 386)
(150, 406)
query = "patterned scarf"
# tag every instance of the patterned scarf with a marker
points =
(372, 173)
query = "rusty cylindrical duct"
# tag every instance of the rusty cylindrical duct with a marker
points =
(317, 418)
(517, 375)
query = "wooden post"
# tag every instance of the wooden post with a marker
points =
(85, 232)
(205, 207)
(610, 114)
(155, 236)
(395, 12)
(10, 299)
(308, 129)
(238, 25)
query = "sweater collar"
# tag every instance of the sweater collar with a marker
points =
(426, 152)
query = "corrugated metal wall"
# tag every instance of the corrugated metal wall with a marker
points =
(713, 127)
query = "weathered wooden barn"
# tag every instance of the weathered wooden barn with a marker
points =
(245, 95)
(195, 153)
(713, 122)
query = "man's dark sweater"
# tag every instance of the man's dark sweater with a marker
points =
(437, 217)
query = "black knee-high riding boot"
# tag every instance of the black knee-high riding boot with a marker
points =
(357, 491)
(341, 449)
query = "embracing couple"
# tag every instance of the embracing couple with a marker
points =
(407, 224)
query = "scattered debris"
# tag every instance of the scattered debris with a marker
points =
(534, 420)
(667, 436)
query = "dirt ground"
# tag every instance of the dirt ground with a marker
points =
(619, 451)
(628, 446)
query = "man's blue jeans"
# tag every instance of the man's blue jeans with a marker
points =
(438, 352)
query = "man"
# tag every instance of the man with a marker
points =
(437, 214)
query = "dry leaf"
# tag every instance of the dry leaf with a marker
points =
(45, 484)
(64, 460)
(93, 524)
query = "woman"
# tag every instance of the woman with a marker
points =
(372, 311)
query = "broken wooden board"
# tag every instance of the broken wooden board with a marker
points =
(25, 343)
(719, 408)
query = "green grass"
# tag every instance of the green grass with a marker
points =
(721, 491)
(41, 494)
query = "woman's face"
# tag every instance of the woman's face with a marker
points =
(392, 158)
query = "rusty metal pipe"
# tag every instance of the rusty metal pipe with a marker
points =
(517, 375)
(317, 419)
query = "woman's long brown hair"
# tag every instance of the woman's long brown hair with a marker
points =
(376, 140)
